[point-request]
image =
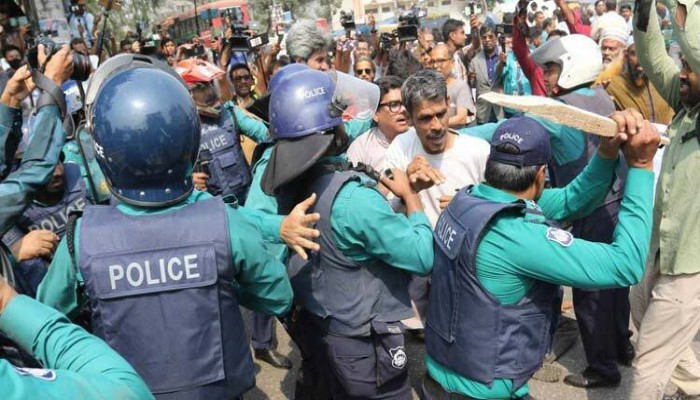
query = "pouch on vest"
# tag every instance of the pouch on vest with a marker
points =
(187, 303)
(390, 350)
(353, 360)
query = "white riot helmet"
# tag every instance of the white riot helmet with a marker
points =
(579, 57)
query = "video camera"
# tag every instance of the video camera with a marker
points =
(242, 41)
(347, 19)
(81, 63)
(409, 22)
(503, 31)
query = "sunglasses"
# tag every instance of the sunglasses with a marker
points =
(366, 71)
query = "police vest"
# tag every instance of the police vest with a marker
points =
(55, 217)
(346, 295)
(467, 329)
(160, 288)
(229, 173)
(600, 224)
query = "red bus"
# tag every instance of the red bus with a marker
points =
(182, 27)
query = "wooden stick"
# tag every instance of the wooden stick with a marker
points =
(556, 111)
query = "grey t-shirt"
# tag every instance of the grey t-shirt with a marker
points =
(460, 96)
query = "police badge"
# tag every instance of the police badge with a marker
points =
(398, 357)
(560, 236)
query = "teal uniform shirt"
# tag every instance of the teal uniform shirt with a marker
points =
(39, 160)
(247, 125)
(81, 365)
(10, 134)
(514, 253)
(567, 143)
(90, 170)
(261, 280)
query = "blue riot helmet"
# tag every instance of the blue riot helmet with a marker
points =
(261, 106)
(306, 107)
(145, 130)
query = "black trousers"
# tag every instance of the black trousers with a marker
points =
(603, 320)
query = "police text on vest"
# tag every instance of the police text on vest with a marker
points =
(164, 270)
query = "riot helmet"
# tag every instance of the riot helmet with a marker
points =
(306, 107)
(578, 55)
(145, 130)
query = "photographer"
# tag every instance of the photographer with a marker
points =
(81, 22)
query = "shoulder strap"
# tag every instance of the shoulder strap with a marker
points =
(70, 235)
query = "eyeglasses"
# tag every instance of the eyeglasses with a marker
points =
(243, 78)
(393, 106)
(367, 71)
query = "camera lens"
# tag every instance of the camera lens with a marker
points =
(81, 67)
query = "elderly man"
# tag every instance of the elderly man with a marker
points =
(612, 43)
(306, 44)
(632, 89)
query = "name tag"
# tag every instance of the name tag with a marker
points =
(119, 275)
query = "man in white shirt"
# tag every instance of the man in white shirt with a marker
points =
(438, 161)
(391, 119)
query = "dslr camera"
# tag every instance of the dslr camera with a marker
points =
(81, 63)
(347, 19)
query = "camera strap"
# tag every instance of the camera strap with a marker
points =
(52, 94)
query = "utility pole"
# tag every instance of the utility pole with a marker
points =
(196, 16)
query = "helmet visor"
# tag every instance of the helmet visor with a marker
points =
(355, 98)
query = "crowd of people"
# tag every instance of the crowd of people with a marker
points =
(161, 216)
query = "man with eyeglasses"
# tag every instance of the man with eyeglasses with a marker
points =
(484, 67)
(462, 108)
(391, 121)
(242, 81)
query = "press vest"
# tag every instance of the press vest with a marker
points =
(345, 295)
(161, 292)
(229, 171)
(600, 224)
(468, 330)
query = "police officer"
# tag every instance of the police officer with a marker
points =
(47, 215)
(165, 269)
(498, 261)
(571, 64)
(80, 366)
(222, 167)
(353, 293)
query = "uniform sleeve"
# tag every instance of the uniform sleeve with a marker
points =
(250, 127)
(10, 134)
(268, 224)
(58, 289)
(483, 131)
(262, 278)
(355, 128)
(583, 195)
(38, 163)
(379, 232)
(657, 64)
(551, 255)
(81, 365)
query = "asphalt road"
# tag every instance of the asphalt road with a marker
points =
(279, 384)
